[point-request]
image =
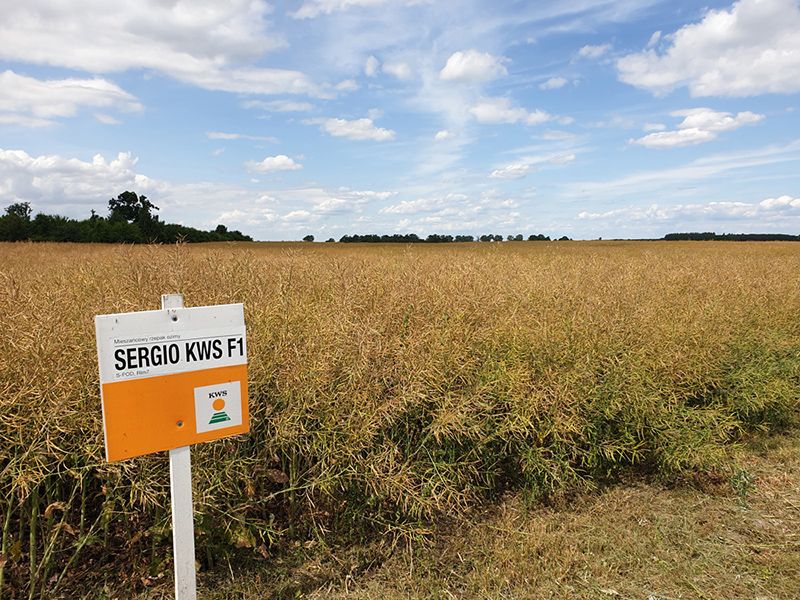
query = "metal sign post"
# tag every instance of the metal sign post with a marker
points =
(180, 490)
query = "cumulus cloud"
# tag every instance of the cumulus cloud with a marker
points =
(355, 129)
(698, 126)
(500, 110)
(553, 83)
(214, 45)
(281, 162)
(472, 66)
(780, 203)
(52, 180)
(33, 102)
(752, 48)
(594, 52)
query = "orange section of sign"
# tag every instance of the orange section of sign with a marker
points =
(169, 411)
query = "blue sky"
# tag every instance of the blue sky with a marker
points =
(604, 118)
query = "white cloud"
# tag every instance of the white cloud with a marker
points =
(752, 48)
(345, 200)
(356, 129)
(500, 110)
(54, 181)
(348, 85)
(654, 39)
(654, 127)
(314, 8)
(279, 105)
(281, 162)
(658, 181)
(780, 203)
(213, 45)
(442, 135)
(553, 83)
(769, 209)
(593, 52)
(562, 159)
(523, 166)
(698, 126)
(107, 119)
(512, 171)
(298, 216)
(419, 205)
(400, 70)
(33, 102)
(556, 135)
(471, 66)
(371, 66)
(222, 135)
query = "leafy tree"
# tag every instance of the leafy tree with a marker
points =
(130, 220)
(128, 206)
(308, 238)
(19, 209)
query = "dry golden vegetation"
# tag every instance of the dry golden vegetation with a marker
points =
(706, 538)
(391, 387)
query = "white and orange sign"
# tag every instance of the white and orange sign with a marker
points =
(171, 378)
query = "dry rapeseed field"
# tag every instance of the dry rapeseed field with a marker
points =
(392, 387)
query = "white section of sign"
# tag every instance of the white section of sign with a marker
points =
(163, 342)
(218, 406)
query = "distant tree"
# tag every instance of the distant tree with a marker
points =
(330, 240)
(130, 207)
(15, 225)
(19, 209)
(308, 238)
(563, 238)
(144, 226)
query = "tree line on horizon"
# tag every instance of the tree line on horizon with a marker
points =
(434, 238)
(732, 237)
(131, 219)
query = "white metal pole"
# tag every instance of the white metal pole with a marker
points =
(180, 485)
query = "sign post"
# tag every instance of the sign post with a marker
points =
(170, 378)
(180, 491)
